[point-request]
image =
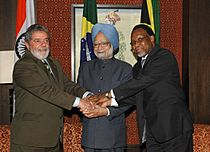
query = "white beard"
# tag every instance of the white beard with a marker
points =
(40, 56)
(141, 54)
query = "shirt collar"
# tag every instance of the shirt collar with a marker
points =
(144, 57)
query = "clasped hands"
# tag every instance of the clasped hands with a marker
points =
(95, 105)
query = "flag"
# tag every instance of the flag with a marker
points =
(25, 18)
(88, 20)
(151, 16)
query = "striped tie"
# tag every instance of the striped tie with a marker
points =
(142, 62)
(47, 65)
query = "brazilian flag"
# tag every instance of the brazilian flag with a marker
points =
(151, 16)
(88, 20)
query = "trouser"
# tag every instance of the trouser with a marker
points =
(181, 143)
(143, 147)
(86, 149)
(23, 148)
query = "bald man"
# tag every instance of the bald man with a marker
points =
(104, 130)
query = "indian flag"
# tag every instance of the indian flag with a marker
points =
(25, 18)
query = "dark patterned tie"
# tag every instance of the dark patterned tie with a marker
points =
(144, 131)
(48, 67)
(142, 62)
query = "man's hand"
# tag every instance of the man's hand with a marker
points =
(93, 98)
(96, 112)
(104, 99)
(85, 104)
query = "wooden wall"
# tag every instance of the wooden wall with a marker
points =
(7, 24)
(199, 60)
(6, 101)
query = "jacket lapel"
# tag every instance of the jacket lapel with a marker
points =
(42, 66)
(137, 67)
(151, 54)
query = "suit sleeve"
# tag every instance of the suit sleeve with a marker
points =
(159, 68)
(73, 88)
(29, 78)
(116, 111)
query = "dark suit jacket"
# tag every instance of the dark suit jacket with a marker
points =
(100, 76)
(164, 103)
(39, 102)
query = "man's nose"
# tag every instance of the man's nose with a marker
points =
(136, 43)
(100, 46)
(44, 43)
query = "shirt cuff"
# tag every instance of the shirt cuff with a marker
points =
(108, 111)
(113, 101)
(112, 93)
(76, 102)
(87, 93)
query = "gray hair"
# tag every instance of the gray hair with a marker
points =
(33, 28)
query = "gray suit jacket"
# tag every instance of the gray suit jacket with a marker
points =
(39, 102)
(100, 76)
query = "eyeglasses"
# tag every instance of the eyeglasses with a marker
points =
(139, 40)
(41, 41)
(102, 44)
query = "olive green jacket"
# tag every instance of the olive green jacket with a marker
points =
(39, 101)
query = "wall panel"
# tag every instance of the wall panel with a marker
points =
(199, 60)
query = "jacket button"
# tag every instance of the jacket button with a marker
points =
(101, 78)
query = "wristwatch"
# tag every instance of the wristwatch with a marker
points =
(108, 95)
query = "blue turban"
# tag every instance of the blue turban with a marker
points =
(109, 31)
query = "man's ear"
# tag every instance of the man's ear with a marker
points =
(152, 38)
(27, 45)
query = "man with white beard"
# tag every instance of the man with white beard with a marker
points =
(42, 91)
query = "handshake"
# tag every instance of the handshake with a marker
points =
(95, 105)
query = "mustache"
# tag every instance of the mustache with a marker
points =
(44, 49)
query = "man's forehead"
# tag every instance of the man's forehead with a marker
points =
(39, 33)
(138, 31)
(101, 36)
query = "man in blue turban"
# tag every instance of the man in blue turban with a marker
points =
(109, 31)
(104, 130)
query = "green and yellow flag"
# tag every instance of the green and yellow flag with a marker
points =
(151, 16)
(88, 20)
